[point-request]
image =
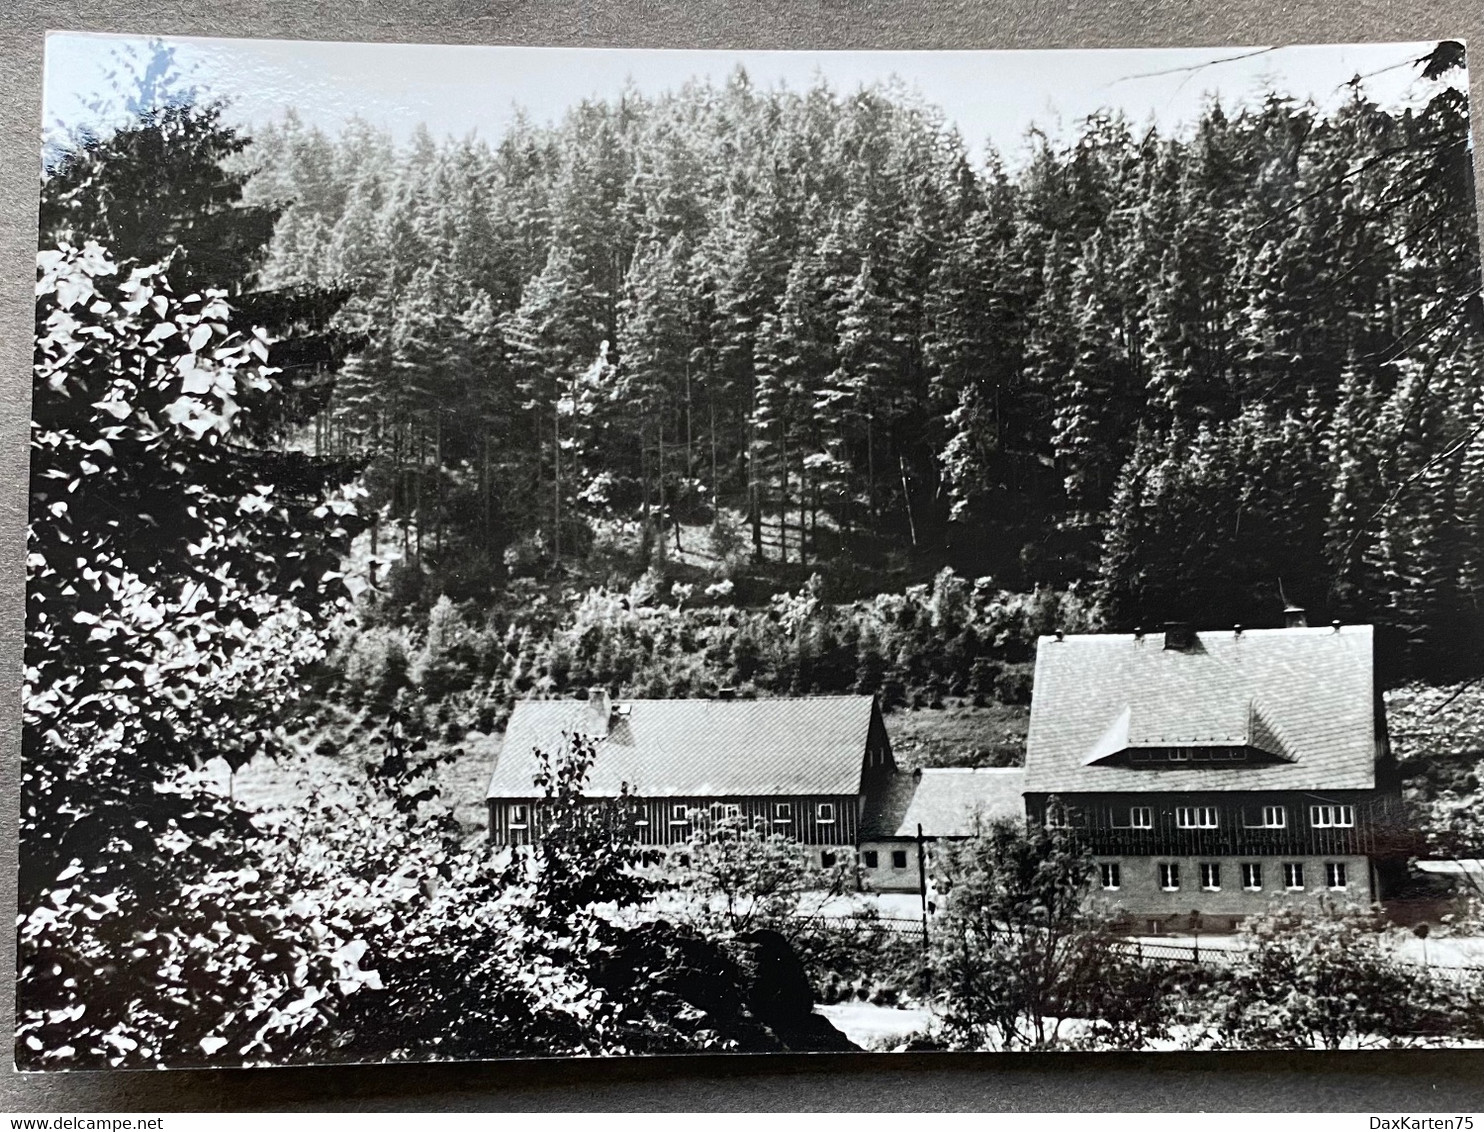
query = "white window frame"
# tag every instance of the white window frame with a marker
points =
(783, 812)
(1292, 869)
(1063, 817)
(1111, 876)
(824, 813)
(1336, 876)
(1210, 875)
(518, 815)
(1169, 876)
(1134, 817)
(679, 814)
(1332, 815)
(1195, 817)
(731, 810)
(1272, 817)
(1251, 876)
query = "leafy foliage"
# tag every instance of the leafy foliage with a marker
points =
(1019, 949)
(1325, 980)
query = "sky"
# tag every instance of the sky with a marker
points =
(992, 97)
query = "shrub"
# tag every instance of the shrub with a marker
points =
(1322, 978)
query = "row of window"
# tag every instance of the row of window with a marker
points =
(1208, 817)
(872, 859)
(1163, 755)
(1336, 875)
(828, 858)
(518, 814)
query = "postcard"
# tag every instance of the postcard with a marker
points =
(552, 552)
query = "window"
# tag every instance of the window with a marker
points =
(1323, 817)
(1210, 876)
(519, 815)
(1135, 817)
(679, 815)
(1195, 817)
(783, 811)
(827, 858)
(1062, 817)
(637, 814)
(685, 860)
(1111, 875)
(1180, 756)
(1252, 876)
(1169, 876)
(824, 813)
(731, 810)
(870, 857)
(1334, 874)
(899, 858)
(1264, 817)
(1293, 875)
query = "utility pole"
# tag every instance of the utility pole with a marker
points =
(927, 970)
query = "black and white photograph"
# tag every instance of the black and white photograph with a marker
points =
(558, 552)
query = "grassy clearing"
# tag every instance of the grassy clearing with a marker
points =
(959, 734)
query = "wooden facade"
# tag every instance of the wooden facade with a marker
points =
(798, 766)
(1105, 823)
(811, 819)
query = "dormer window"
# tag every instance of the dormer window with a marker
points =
(1176, 757)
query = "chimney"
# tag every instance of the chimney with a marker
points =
(1294, 617)
(1179, 636)
(598, 703)
(726, 693)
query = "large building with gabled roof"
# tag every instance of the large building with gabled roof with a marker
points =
(1214, 772)
(801, 766)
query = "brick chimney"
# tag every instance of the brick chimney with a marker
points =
(1295, 617)
(1179, 636)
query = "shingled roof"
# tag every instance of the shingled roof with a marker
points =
(944, 801)
(696, 748)
(1305, 697)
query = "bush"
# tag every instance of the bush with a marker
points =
(1325, 978)
(1018, 950)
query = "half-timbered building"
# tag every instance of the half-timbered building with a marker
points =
(799, 766)
(1214, 772)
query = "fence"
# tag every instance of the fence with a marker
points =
(1175, 954)
(890, 925)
